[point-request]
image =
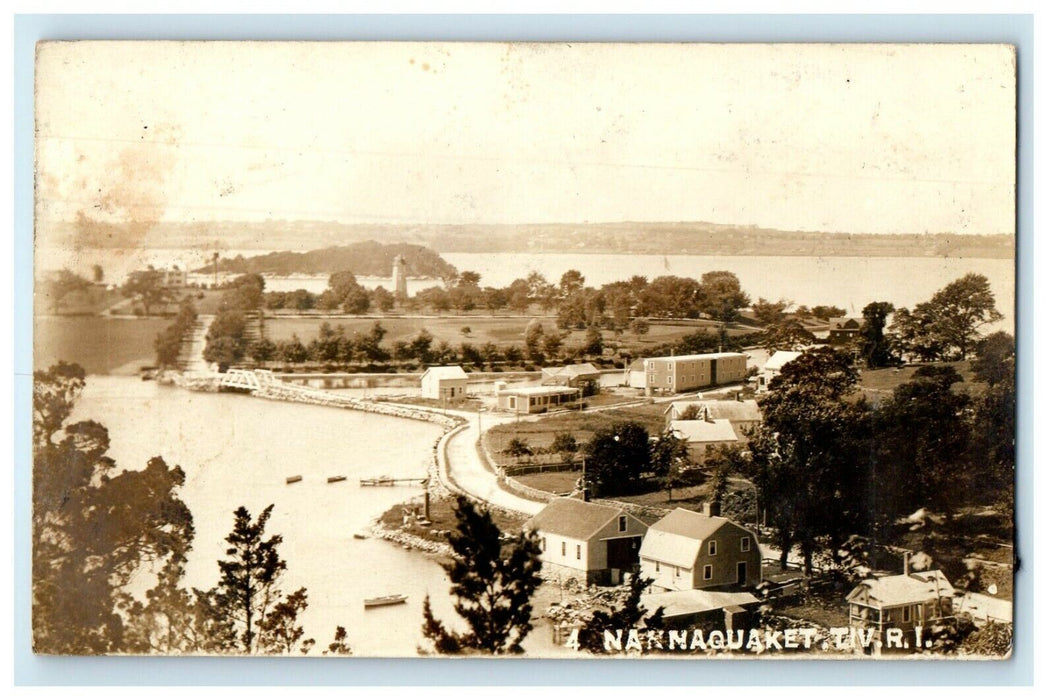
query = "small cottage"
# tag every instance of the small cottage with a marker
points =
(906, 601)
(591, 542)
(444, 383)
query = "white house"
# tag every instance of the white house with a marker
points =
(444, 383)
(702, 436)
(773, 366)
(591, 542)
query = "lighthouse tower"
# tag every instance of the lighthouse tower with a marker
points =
(399, 277)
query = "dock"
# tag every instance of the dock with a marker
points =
(389, 481)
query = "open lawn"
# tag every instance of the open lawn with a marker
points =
(93, 300)
(539, 434)
(101, 345)
(879, 383)
(503, 331)
(553, 482)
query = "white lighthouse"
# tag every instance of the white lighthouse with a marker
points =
(399, 277)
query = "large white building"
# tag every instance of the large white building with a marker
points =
(680, 373)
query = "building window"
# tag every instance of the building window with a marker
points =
(563, 549)
(657, 567)
(578, 551)
(543, 544)
(712, 547)
(668, 380)
(745, 544)
(906, 613)
(622, 523)
(707, 572)
(677, 572)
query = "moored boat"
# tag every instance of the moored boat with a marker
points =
(394, 599)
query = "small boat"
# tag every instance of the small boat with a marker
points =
(294, 479)
(359, 536)
(334, 479)
(395, 599)
(378, 481)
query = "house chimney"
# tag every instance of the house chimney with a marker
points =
(707, 414)
(739, 397)
(710, 509)
(905, 565)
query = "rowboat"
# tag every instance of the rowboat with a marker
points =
(395, 599)
(294, 479)
(334, 479)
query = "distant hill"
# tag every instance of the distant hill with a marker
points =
(368, 258)
(641, 238)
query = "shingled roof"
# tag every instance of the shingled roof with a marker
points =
(577, 520)
(677, 537)
(905, 589)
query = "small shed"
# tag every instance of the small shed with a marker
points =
(444, 383)
(905, 601)
(692, 608)
(536, 399)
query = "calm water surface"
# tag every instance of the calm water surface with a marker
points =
(237, 450)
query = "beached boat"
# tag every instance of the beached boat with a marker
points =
(294, 479)
(395, 599)
(378, 481)
(359, 536)
(333, 479)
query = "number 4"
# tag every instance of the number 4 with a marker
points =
(573, 639)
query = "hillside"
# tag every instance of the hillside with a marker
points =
(368, 258)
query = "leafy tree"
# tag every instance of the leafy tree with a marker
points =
(342, 284)
(828, 312)
(533, 337)
(492, 586)
(565, 445)
(339, 645)
(672, 297)
(421, 347)
(293, 351)
(594, 344)
(263, 350)
(639, 327)
(517, 449)
(768, 312)
(668, 452)
(281, 631)
(146, 287)
(93, 529)
(248, 591)
(786, 334)
(807, 452)
(719, 482)
(922, 442)
(357, 301)
(691, 412)
(58, 285)
(994, 361)
(962, 308)
(552, 343)
(875, 349)
(721, 296)
(616, 457)
(570, 282)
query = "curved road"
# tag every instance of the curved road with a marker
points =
(468, 470)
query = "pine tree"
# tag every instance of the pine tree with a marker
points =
(492, 588)
(249, 578)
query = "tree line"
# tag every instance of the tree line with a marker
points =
(829, 465)
(96, 528)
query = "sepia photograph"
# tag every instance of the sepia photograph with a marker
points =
(541, 350)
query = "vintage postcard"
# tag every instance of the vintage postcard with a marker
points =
(542, 350)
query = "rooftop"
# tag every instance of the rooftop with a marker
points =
(693, 601)
(537, 391)
(704, 356)
(572, 518)
(718, 430)
(746, 410)
(781, 358)
(448, 372)
(676, 538)
(904, 589)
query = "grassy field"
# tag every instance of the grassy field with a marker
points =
(502, 331)
(100, 345)
(540, 433)
(880, 383)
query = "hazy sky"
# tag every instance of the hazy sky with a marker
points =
(833, 138)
